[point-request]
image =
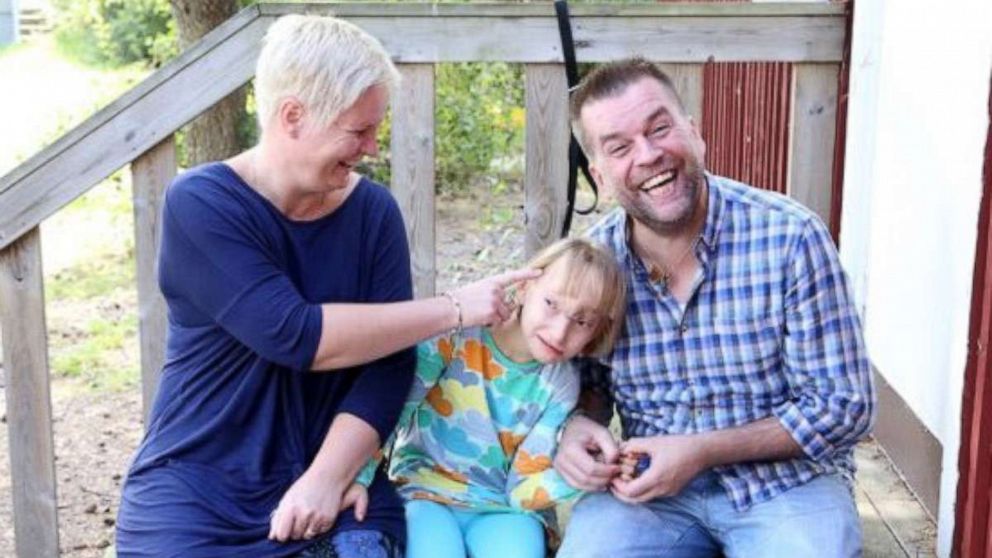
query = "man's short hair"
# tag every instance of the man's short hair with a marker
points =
(325, 62)
(609, 80)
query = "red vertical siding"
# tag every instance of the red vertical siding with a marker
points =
(973, 520)
(746, 121)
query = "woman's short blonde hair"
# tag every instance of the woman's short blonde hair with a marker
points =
(325, 62)
(589, 265)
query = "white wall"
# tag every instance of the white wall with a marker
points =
(917, 125)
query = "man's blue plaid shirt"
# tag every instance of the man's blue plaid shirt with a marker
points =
(770, 330)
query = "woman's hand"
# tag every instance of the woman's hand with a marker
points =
(310, 507)
(484, 302)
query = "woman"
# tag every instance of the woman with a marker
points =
(279, 265)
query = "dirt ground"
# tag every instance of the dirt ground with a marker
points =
(96, 433)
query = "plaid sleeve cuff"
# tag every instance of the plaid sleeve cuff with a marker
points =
(798, 425)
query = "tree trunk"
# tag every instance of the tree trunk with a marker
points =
(214, 134)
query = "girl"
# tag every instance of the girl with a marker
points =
(474, 447)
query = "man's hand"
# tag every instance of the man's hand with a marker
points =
(308, 508)
(675, 460)
(587, 455)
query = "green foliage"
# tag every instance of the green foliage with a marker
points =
(116, 32)
(479, 127)
(479, 118)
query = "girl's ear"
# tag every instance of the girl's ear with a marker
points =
(520, 290)
(516, 294)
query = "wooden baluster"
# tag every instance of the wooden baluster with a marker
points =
(29, 401)
(150, 174)
(547, 137)
(814, 115)
(412, 182)
(688, 81)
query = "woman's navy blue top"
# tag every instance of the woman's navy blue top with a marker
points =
(238, 415)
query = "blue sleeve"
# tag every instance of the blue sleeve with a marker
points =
(215, 267)
(381, 388)
(824, 352)
(430, 365)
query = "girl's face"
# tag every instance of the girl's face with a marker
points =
(558, 325)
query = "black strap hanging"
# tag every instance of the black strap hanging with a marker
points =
(576, 158)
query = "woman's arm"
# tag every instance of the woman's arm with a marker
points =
(354, 334)
(312, 504)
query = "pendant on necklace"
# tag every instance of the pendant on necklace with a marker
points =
(659, 276)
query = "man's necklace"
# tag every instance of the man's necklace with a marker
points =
(662, 274)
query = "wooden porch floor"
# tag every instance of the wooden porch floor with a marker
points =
(894, 522)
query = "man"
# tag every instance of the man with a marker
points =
(741, 380)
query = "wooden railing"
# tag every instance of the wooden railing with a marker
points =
(138, 129)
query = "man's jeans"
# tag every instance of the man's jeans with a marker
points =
(816, 520)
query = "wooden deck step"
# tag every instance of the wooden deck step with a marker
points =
(894, 523)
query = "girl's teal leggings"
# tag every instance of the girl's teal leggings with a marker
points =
(438, 531)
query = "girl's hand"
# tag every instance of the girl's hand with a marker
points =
(358, 496)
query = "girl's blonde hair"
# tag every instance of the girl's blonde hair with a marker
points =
(325, 62)
(589, 265)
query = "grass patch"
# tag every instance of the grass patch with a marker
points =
(94, 278)
(93, 355)
(94, 323)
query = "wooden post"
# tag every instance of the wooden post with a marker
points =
(547, 136)
(150, 174)
(688, 81)
(811, 158)
(412, 152)
(29, 401)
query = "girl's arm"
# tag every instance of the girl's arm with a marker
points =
(533, 483)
